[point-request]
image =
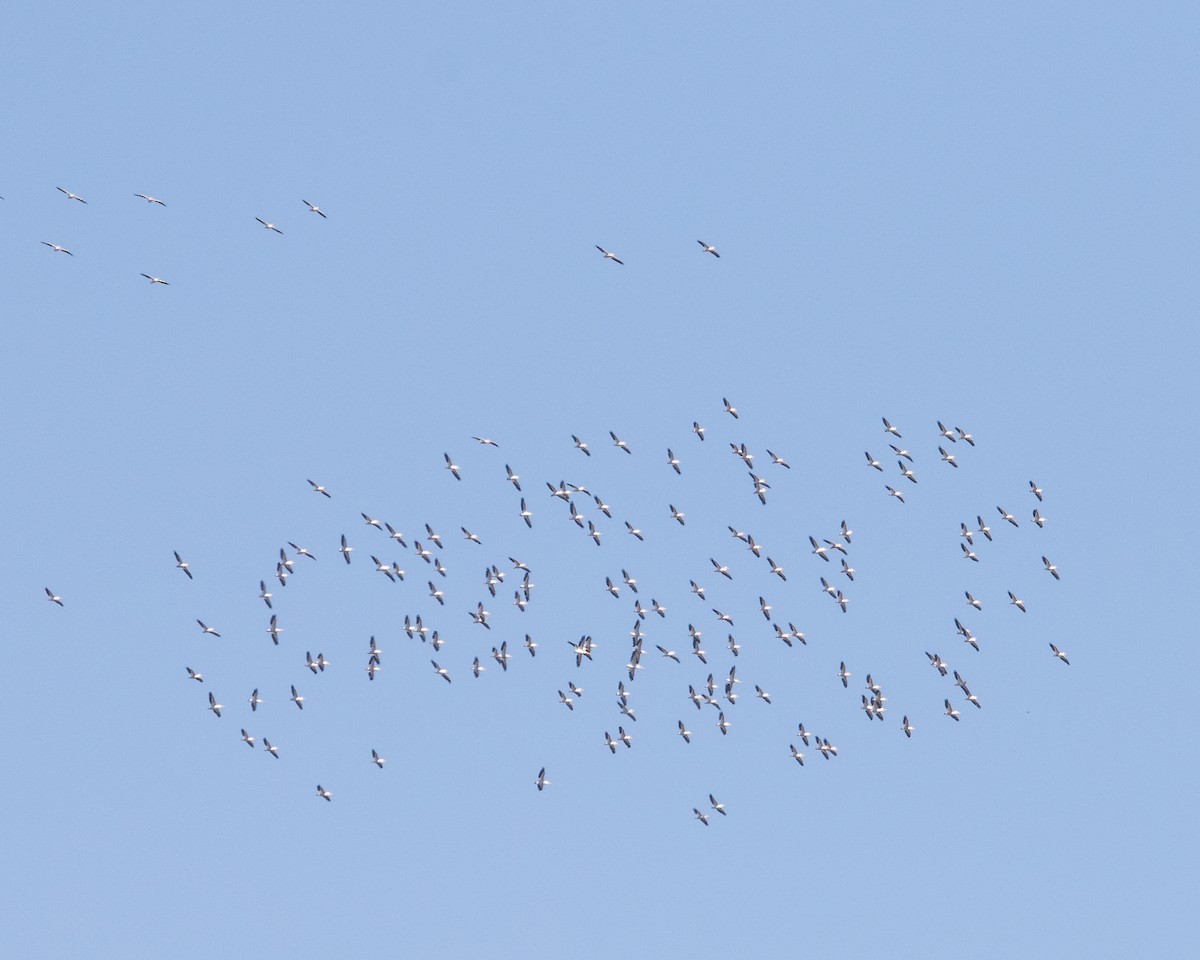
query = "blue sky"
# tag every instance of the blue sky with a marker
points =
(960, 212)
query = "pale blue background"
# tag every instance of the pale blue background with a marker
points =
(980, 213)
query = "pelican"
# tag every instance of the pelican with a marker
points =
(1051, 569)
(948, 434)
(708, 248)
(764, 608)
(396, 535)
(594, 533)
(685, 732)
(323, 793)
(531, 645)
(984, 528)
(963, 435)
(951, 712)
(722, 724)
(274, 629)
(247, 739)
(183, 565)
(479, 615)
(721, 569)
(821, 552)
(723, 617)
(669, 654)
(633, 531)
(142, 196)
(843, 674)
(70, 195)
(1039, 519)
(730, 409)
(906, 727)
(658, 607)
(313, 208)
(154, 280)
(796, 754)
(440, 671)
(270, 748)
(968, 553)
(56, 248)
(1016, 601)
(618, 442)
(204, 628)
(1060, 654)
(1005, 515)
(699, 815)
(263, 594)
(255, 700)
(609, 256)
(966, 533)
(296, 698)
(541, 782)
(888, 428)
(452, 467)
(213, 705)
(477, 668)
(802, 734)
(906, 472)
(848, 570)
(761, 694)
(55, 598)
(894, 493)
(972, 601)
(776, 569)
(317, 488)
(841, 600)
(193, 675)
(624, 737)
(778, 460)
(1035, 490)
(345, 549)
(872, 462)
(269, 226)
(948, 457)
(697, 429)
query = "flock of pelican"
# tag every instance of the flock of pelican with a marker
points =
(721, 695)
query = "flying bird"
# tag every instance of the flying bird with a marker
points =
(269, 226)
(56, 248)
(313, 208)
(609, 256)
(70, 195)
(708, 248)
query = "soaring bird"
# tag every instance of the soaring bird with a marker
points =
(269, 226)
(70, 195)
(609, 256)
(56, 248)
(142, 196)
(709, 248)
(313, 208)
(183, 565)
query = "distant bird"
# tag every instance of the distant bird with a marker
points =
(193, 675)
(761, 694)
(440, 671)
(204, 628)
(1005, 515)
(296, 698)
(1039, 519)
(580, 445)
(719, 807)
(619, 443)
(317, 488)
(56, 248)
(843, 674)
(270, 748)
(951, 712)
(729, 408)
(685, 732)
(183, 565)
(948, 434)
(1060, 654)
(948, 457)
(777, 460)
(255, 700)
(906, 727)
(323, 793)
(274, 629)
(721, 569)
(776, 569)
(452, 466)
(345, 549)
(1016, 601)
(609, 256)
(1035, 490)
(968, 553)
(1051, 569)
(963, 435)
(154, 280)
(247, 739)
(633, 531)
(541, 782)
(702, 817)
(888, 428)
(673, 461)
(269, 226)
(894, 493)
(972, 601)
(485, 442)
(213, 705)
(708, 248)
(263, 594)
(142, 196)
(70, 195)
(722, 724)
(313, 208)
(697, 429)
(377, 759)
(872, 462)
(796, 754)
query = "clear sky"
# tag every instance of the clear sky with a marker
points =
(976, 213)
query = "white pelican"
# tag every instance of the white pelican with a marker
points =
(709, 248)
(154, 280)
(56, 248)
(213, 705)
(183, 565)
(142, 196)
(313, 208)
(609, 256)
(70, 195)
(541, 782)
(1051, 569)
(269, 226)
